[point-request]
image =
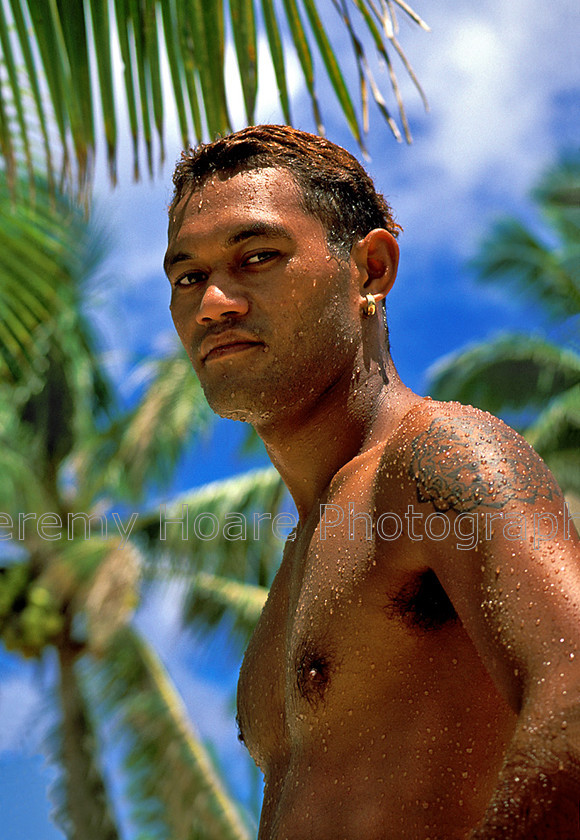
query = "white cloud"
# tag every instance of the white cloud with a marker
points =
(492, 72)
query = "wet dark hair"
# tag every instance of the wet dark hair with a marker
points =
(334, 187)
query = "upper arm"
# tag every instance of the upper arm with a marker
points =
(517, 591)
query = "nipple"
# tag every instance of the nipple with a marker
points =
(312, 676)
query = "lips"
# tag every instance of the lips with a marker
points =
(225, 344)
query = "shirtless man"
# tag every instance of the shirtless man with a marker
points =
(415, 673)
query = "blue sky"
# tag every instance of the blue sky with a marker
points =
(503, 84)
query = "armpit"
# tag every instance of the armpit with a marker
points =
(476, 460)
(422, 603)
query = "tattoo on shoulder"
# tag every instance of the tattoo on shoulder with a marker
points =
(464, 463)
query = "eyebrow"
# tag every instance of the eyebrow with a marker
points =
(266, 230)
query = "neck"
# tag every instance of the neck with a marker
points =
(310, 445)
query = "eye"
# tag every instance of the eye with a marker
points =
(260, 257)
(192, 278)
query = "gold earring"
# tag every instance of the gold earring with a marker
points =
(369, 306)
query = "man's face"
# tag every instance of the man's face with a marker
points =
(268, 316)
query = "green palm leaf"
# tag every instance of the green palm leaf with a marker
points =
(244, 32)
(143, 446)
(20, 453)
(528, 372)
(513, 255)
(101, 28)
(566, 467)
(555, 434)
(225, 528)
(558, 426)
(165, 758)
(171, 412)
(558, 194)
(211, 598)
(277, 55)
(333, 69)
(509, 371)
(61, 40)
(35, 286)
(27, 83)
(47, 253)
(74, 594)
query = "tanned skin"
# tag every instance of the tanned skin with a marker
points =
(421, 685)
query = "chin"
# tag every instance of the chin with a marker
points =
(233, 414)
(244, 415)
(230, 408)
(257, 402)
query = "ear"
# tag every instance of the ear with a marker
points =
(377, 258)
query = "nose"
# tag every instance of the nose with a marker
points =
(220, 301)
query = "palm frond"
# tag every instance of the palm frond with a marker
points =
(20, 454)
(172, 410)
(94, 576)
(35, 286)
(558, 193)
(60, 41)
(173, 779)
(566, 467)
(227, 528)
(211, 598)
(526, 372)
(276, 48)
(380, 26)
(112, 596)
(143, 446)
(512, 255)
(555, 434)
(47, 251)
(510, 371)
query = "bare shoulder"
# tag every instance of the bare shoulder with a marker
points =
(461, 458)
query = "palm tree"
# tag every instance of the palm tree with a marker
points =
(66, 455)
(65, 446)
(61, 61)
(532, 374)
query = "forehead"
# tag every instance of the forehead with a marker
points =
(264, 195)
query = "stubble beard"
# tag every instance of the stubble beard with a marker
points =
(278, 390)
(240, 392)
(247, 395)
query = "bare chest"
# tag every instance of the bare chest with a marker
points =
(327, 641)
